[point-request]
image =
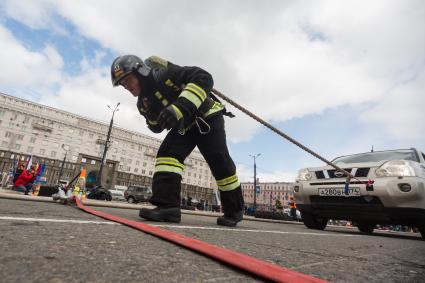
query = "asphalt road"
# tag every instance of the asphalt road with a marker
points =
(50, 242)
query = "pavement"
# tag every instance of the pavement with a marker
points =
(58, 243)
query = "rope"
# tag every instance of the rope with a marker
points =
(282, 134)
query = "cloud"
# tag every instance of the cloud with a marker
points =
(246, 174)
(400, 114)
(281, 60)
(24, 68)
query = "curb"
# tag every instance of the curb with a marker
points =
(99, 203)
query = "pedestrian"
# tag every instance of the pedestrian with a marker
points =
(18, 172)
(293, 208)
(25, 181)
(179, 99)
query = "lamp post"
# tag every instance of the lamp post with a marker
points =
(66, 148)
(99, 179)
(255, 180)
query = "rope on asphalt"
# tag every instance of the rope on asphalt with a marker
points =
(241, 261)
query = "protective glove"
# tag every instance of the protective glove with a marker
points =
(169, 117)
(155, 128)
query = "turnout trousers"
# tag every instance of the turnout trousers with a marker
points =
(169, 165)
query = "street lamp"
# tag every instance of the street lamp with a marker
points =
(66, 148)
(255, 180)
(99, 179)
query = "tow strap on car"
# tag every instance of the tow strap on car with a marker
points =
(241, 261)
(282, 134)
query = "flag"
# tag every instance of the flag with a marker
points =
(29, 163)
(40, 172)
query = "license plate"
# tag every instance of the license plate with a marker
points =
(339, 192)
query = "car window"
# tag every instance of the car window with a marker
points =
(377, 156)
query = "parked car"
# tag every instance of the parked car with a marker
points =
(397, 195)
(136, 194)
(98, 193)
(117, 194)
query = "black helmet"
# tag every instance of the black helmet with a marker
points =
(124, 65)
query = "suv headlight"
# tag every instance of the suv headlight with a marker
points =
(304, 175)
(395, 168)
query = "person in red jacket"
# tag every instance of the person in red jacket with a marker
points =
(24, 182)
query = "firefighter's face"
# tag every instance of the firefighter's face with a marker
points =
(131, 83)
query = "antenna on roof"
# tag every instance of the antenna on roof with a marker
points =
(371, 148)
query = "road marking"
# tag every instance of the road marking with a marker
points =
(56, 220)
(173, 226)
(254, 231)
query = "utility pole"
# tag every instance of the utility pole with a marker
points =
(255, 180)
(99, 179)
(66, 148)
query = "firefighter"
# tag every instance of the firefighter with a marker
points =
(178, 99)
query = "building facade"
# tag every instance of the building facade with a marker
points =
(267, 194)
(28, 128)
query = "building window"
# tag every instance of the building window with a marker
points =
(53, 154)
(4, 143)
(8, 134)
(19, 137)
(17, 146)
(42, 151)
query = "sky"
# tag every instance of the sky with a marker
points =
(337, 76)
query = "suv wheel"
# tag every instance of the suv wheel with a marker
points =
(365, 227)
(131, 200)
(108, 197)
(312, 221)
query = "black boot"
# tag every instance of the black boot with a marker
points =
(161, 214)
(230, 220)
(233, 204)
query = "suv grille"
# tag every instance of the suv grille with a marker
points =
(360, 172)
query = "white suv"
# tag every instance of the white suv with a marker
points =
(397, 195)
